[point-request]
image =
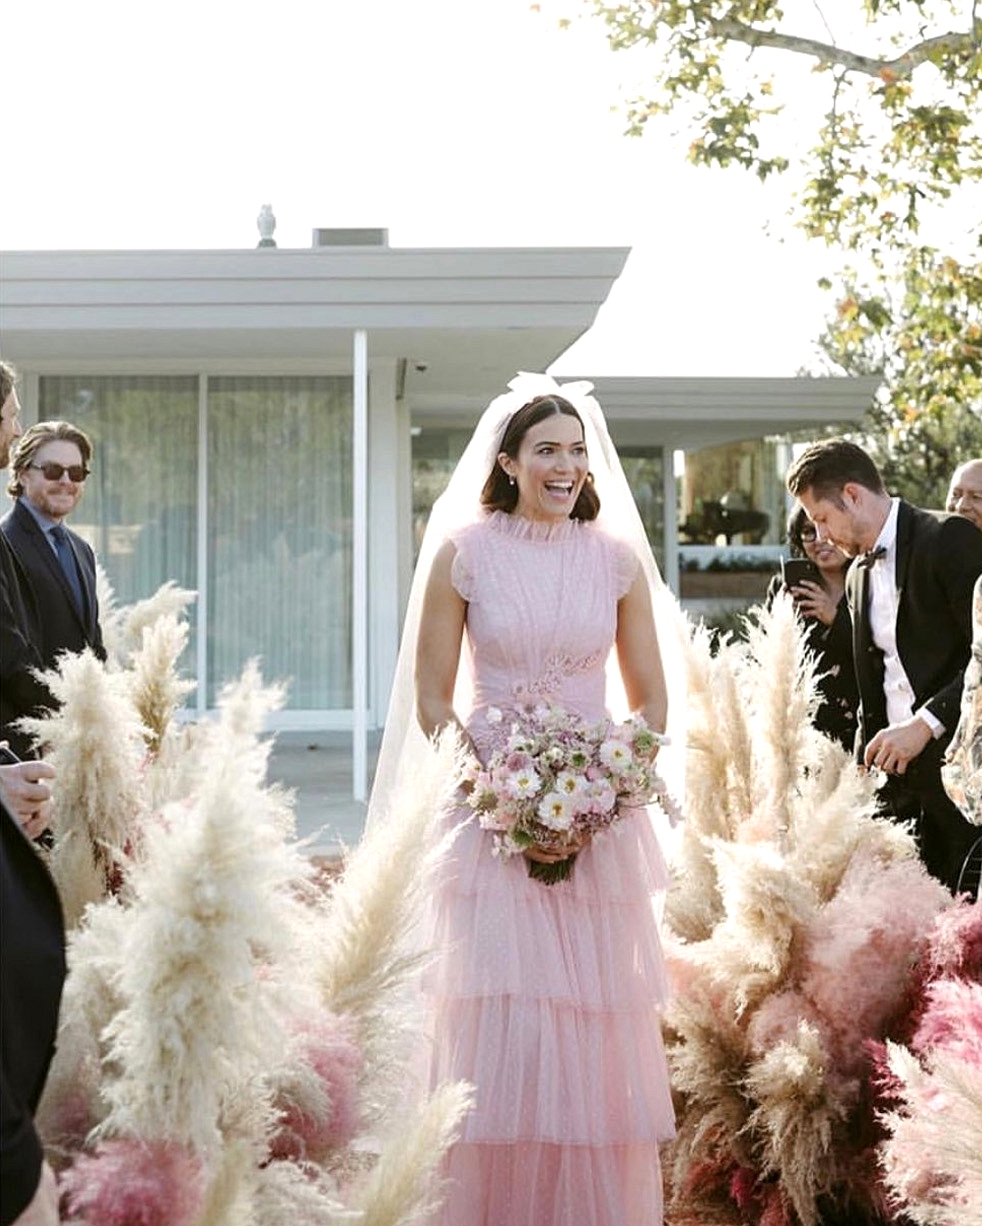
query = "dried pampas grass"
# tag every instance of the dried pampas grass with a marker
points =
(157, 689)
(211, 908)
(95, 742)
(403, 1189)
(932, 1157)
(123, 627)
(804, 952)
(369, 938)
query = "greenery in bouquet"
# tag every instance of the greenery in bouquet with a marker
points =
(555, 780)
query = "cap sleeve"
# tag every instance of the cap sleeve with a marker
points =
(461, 568)
(625, 567)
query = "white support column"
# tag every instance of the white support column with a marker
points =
(359, 568)
(671, 517)
(201, 647)
(386, 521)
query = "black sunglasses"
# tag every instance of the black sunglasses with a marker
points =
(54, 472)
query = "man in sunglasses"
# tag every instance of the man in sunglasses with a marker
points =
(48, 467)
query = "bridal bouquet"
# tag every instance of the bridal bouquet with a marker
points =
(555, 778)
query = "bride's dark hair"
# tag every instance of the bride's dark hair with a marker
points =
(499, 494)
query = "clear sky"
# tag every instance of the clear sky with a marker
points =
(450, 122)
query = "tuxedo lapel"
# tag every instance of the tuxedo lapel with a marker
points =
(905, 537)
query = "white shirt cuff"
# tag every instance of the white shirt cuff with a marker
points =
(932, 721)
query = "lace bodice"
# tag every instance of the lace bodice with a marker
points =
(541, 612)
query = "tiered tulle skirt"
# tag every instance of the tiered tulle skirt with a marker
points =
(547, 999)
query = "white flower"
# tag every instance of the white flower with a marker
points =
(616, 756)
(569, 784)
(555, 754)
(555, 812)
(494, 715)
(602, 796)
(523, 783)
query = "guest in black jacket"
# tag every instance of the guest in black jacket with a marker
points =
(828, 628)
(910, 599)
(20, 625)
(32, 971)
(49, 464)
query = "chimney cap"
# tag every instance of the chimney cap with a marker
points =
(351, 238)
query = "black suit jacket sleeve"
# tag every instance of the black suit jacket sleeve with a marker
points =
(32, 971)
(958, 564)
(20, 635)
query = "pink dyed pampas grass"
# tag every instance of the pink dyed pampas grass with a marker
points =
(797, 929)
(313, 1124)
(932, 1157)
(134, 1183)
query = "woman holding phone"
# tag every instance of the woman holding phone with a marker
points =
(819, 594)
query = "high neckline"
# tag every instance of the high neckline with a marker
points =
(523, 529)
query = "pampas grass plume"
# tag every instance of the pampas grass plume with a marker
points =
(312, 1125)
(123, 627)
(402, 1189)
(95, 742)
(368, 941)
(134, 1183)
(157, 690)
(212, 903)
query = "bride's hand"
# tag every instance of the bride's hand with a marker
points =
(553, 855)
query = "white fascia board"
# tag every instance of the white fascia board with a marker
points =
(152, 304)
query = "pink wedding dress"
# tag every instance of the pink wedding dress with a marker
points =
(547, 997)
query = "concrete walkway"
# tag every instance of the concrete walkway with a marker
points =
(317, 767)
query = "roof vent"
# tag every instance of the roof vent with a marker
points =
(350, 238)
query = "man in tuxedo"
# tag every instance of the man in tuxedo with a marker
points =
(49, 464)
(965, 491)
(910, 599)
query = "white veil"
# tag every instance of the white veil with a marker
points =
(403, 745)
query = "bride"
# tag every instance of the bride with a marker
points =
(536, 583)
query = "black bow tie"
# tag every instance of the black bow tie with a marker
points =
(871, 556)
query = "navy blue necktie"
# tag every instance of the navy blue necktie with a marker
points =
(67, 559)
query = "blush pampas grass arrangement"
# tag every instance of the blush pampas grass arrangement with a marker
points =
(795, 929)
(932, 1158)
(221, 1047)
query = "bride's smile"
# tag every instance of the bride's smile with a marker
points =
(550, 468)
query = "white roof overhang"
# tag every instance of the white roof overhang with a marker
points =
(694, 412)
(471, 316)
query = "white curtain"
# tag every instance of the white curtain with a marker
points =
(279, 534)
(139, 508)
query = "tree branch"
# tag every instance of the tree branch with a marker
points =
(903, 66)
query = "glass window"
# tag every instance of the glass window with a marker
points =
(280, 534)
(139, 509)
(436, 450)
(643, 467)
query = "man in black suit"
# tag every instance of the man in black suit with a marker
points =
(910, 599)
(20, 625)
(49, 464)
(32, 971)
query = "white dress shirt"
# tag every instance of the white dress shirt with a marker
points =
(884, 601)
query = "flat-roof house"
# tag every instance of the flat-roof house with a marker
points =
(269, 423)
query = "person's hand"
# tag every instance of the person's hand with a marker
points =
(43, 1209)
(813, 600)
(26, 794)
(556, 855)
(894, 748)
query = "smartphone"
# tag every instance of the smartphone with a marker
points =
(7, 756)
(793, 570)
